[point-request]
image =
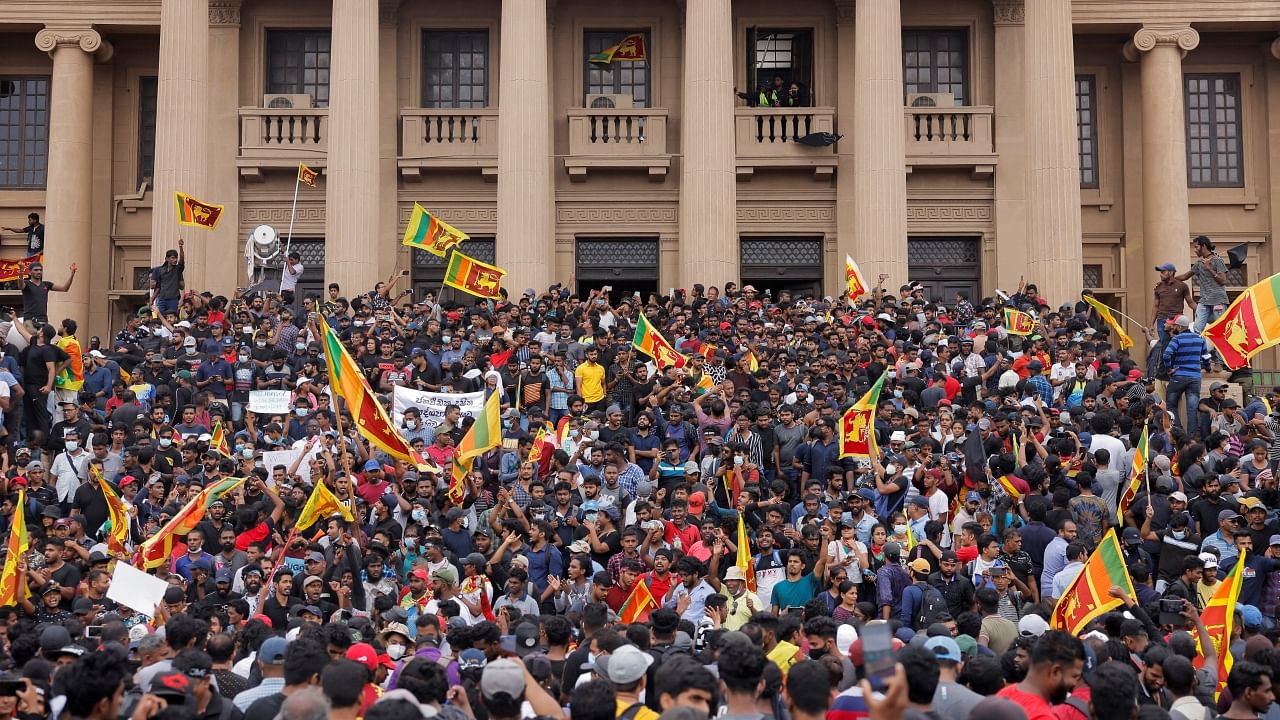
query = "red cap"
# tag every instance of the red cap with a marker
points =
(385, 661)
(420, 574)
(264, 619)
(20, 481)
(364, 654)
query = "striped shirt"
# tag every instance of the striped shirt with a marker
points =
(1184, 353)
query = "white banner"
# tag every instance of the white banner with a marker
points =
(432, 405)
(272, 458)
(271, 402)
(135, 589)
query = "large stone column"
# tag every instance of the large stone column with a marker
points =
(846, 192)
(70, 176)
(1053, 202)
(1166, 227)
(879, 145)
(222, 275)
(708, 181)
(352, 185)
(1011, 144)
(526, 236)
(182, 131)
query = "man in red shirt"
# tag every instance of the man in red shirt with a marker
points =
(621, 590)
(1057, 663)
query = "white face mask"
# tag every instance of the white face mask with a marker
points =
(261, 344)
(164, 442)
(73, 445)
(395, 652)
(899, 529)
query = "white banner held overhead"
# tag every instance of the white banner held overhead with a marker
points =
(432, 405)
(135, 589)
(271, 402)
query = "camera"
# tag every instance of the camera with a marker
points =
(1171, 605)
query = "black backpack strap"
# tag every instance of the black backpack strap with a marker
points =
(1080, 705)
(631, 712)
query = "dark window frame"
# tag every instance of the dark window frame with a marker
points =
(28, 162)
(457, 53)
(300, 85)
(148, 90)
(800, 55)
(594, 41)
(932, 85)
(1087, 129)
(1211, 145)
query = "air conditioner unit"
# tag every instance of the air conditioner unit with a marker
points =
(931, 100)
(609, 101)
(286, 102)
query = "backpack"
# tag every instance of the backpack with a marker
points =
(932, 606)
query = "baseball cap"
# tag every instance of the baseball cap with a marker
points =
(1252, 503)
(471, 659)
(1032, 625)
(1178, 495)
(1210, 560)
(945, 648)
(273, 650)
(626, 665)
(364, 654)
(1167, 266)
(173, 686)
(526, 638)
(1131, 536)
(920, 565)
(502, 676)
(1227, 515)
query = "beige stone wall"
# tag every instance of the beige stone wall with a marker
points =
(610, 191)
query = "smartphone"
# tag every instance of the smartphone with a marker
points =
(877, 655)
(1171, 605)
(93, 631)
(9, 687)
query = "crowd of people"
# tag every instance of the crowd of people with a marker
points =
(919, 581)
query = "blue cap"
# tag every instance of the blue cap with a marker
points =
(372, 465)
(945, 648)
(972, 496)
(273, 650)
(867, 493)
(1167, 266)
(1251, 616)
(591, 506)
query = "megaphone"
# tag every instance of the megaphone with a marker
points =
(1237, 255)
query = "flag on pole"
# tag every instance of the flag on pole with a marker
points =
(321, 504)
(539, 442)
(370, 417)
(485, 433)
(857, 425)
(911, 539)
(117, 513)
(457, 491)
(708, 350)
(853, 278)
(18, 546)
(1135, 478)
(1218, 616)
(1105, 313)
(649, 341)
(753, 364)
(638, 604)
(1250, 325)
(195, 213)
(472, 276)
(15, 269)
(1089, 596)
(743, 560)
(218, 441)
(428, 232)
(1018, 322)
(306, 175)
(631, 48)
(157, 549)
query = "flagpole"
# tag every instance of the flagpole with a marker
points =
(288, 242)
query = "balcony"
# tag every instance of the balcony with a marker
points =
(951, 137)
(448, 138)
(617, 139)
(772, 139)
(281, 138)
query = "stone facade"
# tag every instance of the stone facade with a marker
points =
(145, 97)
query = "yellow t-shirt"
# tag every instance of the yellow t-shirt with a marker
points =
(645, 713)
(592, 377)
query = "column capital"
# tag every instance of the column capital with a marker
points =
(388, 12)
(1009, 12)
(224, 13)
(845, 12)
(1183, 37)
(52, 39)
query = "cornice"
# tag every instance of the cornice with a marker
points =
(1009, 12)
(224, 13)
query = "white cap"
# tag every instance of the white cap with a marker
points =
(1210, 560)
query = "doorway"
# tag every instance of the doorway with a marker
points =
(945, 266)
(627, 265)
(775, 264)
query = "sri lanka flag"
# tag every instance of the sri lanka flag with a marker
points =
(430, 233)
(1250, 325)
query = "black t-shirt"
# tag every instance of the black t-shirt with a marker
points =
(266, 708)
(35, 298)
(35, 239)
(613, 539)
(35, 371)
(91, 503)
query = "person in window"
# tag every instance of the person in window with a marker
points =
(34, 232)
(794, 97)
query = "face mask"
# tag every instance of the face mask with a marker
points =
(395, 652)
(419, 515)
(73, 445)
(166, 442)
(1179, 534)
(411, 542)
(246, 453)
(506, 424)
(897, 393)
(243, 358)
(573, 432)
(899, 529)
(191, 351)
(595, 434)
(299, 346)
(261, 343)
(300, 412)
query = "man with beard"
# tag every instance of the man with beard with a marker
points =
(251, 579)
(228, 556)
(1057, 663)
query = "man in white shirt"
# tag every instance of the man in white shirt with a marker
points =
(70, 466)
